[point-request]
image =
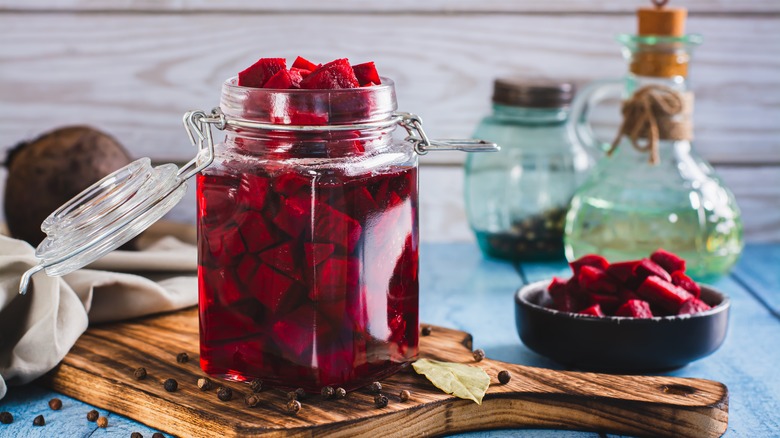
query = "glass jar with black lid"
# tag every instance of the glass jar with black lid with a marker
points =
(516, 199)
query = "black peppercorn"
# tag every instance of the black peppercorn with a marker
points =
(426, 330)
(39, 421)
(327, 392)
(256, 385)
(55, 404)
(380, 401)
(405, 395)
(6, 417)
(293, 406)
(375, 387)
(300, 394)
(225, 393)
(182, 358)
(139, 373)
(204, 384)
(504, 377)
(171, 385)
(341, 392)
(158, 435)
(252, 400)
(478, 354)
(92, 415)
(102, 422)
(136, 435)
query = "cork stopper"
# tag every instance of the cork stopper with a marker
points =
(662, 21)
(663, 60)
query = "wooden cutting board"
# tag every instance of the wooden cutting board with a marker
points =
(99, 370)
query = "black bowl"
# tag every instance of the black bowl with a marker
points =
(617, 344)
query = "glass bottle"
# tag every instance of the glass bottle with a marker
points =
(629, 207)
(516, 199)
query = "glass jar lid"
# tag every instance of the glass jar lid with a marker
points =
(532, 93)
(105, 216)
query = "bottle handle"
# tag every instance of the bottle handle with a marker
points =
(579, 124)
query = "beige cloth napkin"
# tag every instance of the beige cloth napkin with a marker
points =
(39, 328)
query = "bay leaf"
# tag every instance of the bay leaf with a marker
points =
(464, 381)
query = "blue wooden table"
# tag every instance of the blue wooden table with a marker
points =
(462, 290)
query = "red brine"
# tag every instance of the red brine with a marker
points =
(307, 279)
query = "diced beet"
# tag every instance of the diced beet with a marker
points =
(247, 268)
(557, 288)
(662, 293)
(317, 253)
(255, 231)
(284, 258)
(594, 310)
(366, 73)
(667, 260)
(647, 268)
(224, 282)
(217, 200)
(295, 333)
(336, 227)
(280, 81)
(622, 271)
(308, 118)
(334, 276)
(685, 282)
(693, 305)
(362, 202)
(304, 64)
(635, 309)
(252, 191)
(225, 244)
(296, 76)
(596, 280)
(608, 303)
(333, 75)
(293, 216)
(291, 183)
(563, 298)
(270, 287)
(594, 260)
(257, 74)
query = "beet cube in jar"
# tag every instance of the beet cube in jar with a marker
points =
(308, 239)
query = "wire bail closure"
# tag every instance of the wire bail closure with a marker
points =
(196, 124)
(124, 203)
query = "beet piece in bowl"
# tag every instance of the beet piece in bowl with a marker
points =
(619, 344)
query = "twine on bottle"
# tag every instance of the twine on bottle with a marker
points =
(653, 113)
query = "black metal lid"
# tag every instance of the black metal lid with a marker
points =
(533, 93)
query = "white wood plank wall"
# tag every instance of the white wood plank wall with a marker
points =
(132, 67)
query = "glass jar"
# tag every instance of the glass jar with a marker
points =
(307, 232)
(516, 200)
(308, 240)
(630, 207)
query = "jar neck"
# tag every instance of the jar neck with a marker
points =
(529, 115)
(658, 60)
(307, 111)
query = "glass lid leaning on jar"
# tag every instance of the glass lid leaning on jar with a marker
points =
(307, 231)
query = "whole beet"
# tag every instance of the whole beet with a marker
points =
(45, 173)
